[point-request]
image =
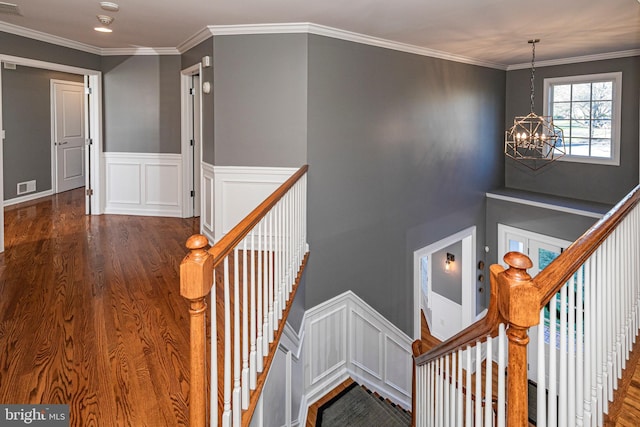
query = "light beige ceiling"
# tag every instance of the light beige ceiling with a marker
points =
(494, 31)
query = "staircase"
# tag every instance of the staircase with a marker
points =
(588, 303)
(357, 406)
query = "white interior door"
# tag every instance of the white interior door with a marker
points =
(195, 148)
(69, 134)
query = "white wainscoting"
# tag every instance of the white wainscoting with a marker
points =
(143, 184)
(207, 197)
(343, 337)
(348, 338)
(239, 190)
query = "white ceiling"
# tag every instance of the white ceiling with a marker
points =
(493, 31)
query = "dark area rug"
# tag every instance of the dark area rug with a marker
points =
(357, 407)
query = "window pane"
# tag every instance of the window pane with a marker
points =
(601, 110)
(561, 93)
(602, 91)
(601, 129)
(561, 110)
(515, 245)
(565, 125)
(581, 92)
(580, 128)
(580, 110)
(579, 147)
(601, 147)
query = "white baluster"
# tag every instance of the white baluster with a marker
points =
(579, 347)
(260, 304)
(541, 389)
(452, 390)
(478, 403)
(552, 411)
(245, 329)
(502, 368)
(488, 378)
(253, 373)
(571, 349)
(563, 404)
(236, 400)
(468, 407)
(226, 414)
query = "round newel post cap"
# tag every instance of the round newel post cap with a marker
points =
(518, 264)
(197, 241)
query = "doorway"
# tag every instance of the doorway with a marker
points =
(68, 135)
(93, 125)
(444, 284)
(541, 249)
(191, 124)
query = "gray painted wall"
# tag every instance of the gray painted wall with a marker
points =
(598, 183)
(141, 103)
(189, 58)
(401, 149)
(23, 47)
(26, 118)
(553, 223)
(260, 96)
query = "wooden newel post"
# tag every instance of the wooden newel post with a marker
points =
(196, 277)
(519, 304)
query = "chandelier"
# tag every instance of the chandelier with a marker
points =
(534, 140)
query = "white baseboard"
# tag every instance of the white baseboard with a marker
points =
(27, 198)
(143, 184)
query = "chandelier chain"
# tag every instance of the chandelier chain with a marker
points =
(533, 72)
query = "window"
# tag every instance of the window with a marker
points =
(587, 109)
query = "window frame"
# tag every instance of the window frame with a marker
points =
(616, 109)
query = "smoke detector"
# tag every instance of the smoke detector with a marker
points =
(109, 6)
(105, 20)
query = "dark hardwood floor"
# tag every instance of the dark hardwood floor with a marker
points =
(91, 315)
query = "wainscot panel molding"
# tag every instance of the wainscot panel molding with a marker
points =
(348, 338)
(27, 197)
(340, 338)
(207, 198)
(143, 184)
(238, 190)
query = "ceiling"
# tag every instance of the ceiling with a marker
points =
(489, 31)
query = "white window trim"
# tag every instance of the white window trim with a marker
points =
(616, 113)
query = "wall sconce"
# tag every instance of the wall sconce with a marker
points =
(450, 260)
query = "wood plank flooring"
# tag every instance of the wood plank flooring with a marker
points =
(91, 315)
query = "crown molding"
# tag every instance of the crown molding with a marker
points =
(48, 38)
(195, 39)
(577, 59)
(321, 30)
(126, 51)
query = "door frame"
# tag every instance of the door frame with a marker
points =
(469, 289)
(54, 154)
(188, 174)
(94, 204)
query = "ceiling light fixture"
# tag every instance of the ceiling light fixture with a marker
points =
(105, 20)
(534, 140)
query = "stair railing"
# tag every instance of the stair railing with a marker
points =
(251, 275)
(585, 305)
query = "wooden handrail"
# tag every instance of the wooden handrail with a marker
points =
(196, 283)
(560, 270)
(225, 245)
(479, 331)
